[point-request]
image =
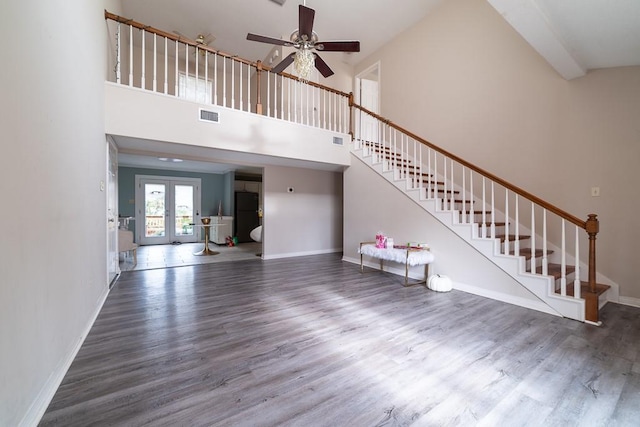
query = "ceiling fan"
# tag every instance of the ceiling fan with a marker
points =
(305, 40)
(201, 40)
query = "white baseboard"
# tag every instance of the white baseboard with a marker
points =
(509, 299)
(39, 406)
(470, 289)
(631, 301)
(298, 254)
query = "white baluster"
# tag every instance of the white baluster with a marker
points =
(215, 78)
(295, 96)
(143, 64)
(206, 78)
(288, 99)
(224, 81)
(445, 198)
(463, 211)
(493, 212)
(472, 209)
(484, 208)
(175, 62)
(241, 84)
(452, 204)
(275, 95)
(155, 63)
(516, 241)
(233, 83)
(429, 173)
(563, 263)
(166, 66)
(130, 55)
(506, 226)
(324, 109)
(576, 281)
(435, 175)
(545, 260)
(186, 69)
(118, 50)
(197, 77)
(420, 181)
(415, 163)
(533, 238)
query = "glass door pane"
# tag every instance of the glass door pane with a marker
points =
(154, 210)
(184, 210)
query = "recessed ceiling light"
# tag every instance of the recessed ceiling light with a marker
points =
(163, 159)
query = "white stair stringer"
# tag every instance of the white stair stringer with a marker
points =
(541, 286)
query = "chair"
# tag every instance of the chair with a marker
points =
(125, 244)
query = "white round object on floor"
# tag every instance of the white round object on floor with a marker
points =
(439, 283)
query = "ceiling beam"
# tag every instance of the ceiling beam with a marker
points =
(526, 17)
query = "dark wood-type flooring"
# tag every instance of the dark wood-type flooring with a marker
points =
(311, 341)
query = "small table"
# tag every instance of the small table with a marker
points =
(205, 250)
(410, 256)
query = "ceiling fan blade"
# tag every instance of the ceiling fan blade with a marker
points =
(341, 46)
(323, 67)
(283, 64)
(270, 40)
(305, 24)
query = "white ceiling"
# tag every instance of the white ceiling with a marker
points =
(574, 36)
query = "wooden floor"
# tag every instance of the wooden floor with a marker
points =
(311, 341)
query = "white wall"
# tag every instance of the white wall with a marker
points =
(372, 204)
(53, 247)
(147, 115)
(480, 91)
(308, 220)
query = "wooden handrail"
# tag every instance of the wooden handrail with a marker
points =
(185, 40)
(546, 205)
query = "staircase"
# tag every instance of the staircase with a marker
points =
(531, 241)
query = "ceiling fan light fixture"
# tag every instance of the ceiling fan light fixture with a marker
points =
(303, 62)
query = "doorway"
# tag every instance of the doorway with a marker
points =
(167, 209)
(246, 214)
(367, 94)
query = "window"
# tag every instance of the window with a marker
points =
(195, 90)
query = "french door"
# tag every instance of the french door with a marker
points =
(166, 209)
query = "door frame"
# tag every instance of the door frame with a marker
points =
(170, 181)
(113, 265)
(372, 71)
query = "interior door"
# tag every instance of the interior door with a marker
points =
(166, 210)
(113, 267)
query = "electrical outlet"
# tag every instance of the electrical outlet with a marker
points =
(595, 191)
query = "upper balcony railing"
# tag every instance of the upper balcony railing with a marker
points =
(154, 60)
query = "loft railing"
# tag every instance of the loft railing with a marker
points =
(489, 203)
(161, 62)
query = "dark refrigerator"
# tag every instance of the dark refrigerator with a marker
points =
(246, 215)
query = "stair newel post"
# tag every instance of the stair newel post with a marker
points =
(258, 95)
(592, 228)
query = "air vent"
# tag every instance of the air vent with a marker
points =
(209, 116)
(337, 140)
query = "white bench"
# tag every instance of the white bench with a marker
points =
(409, 256)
